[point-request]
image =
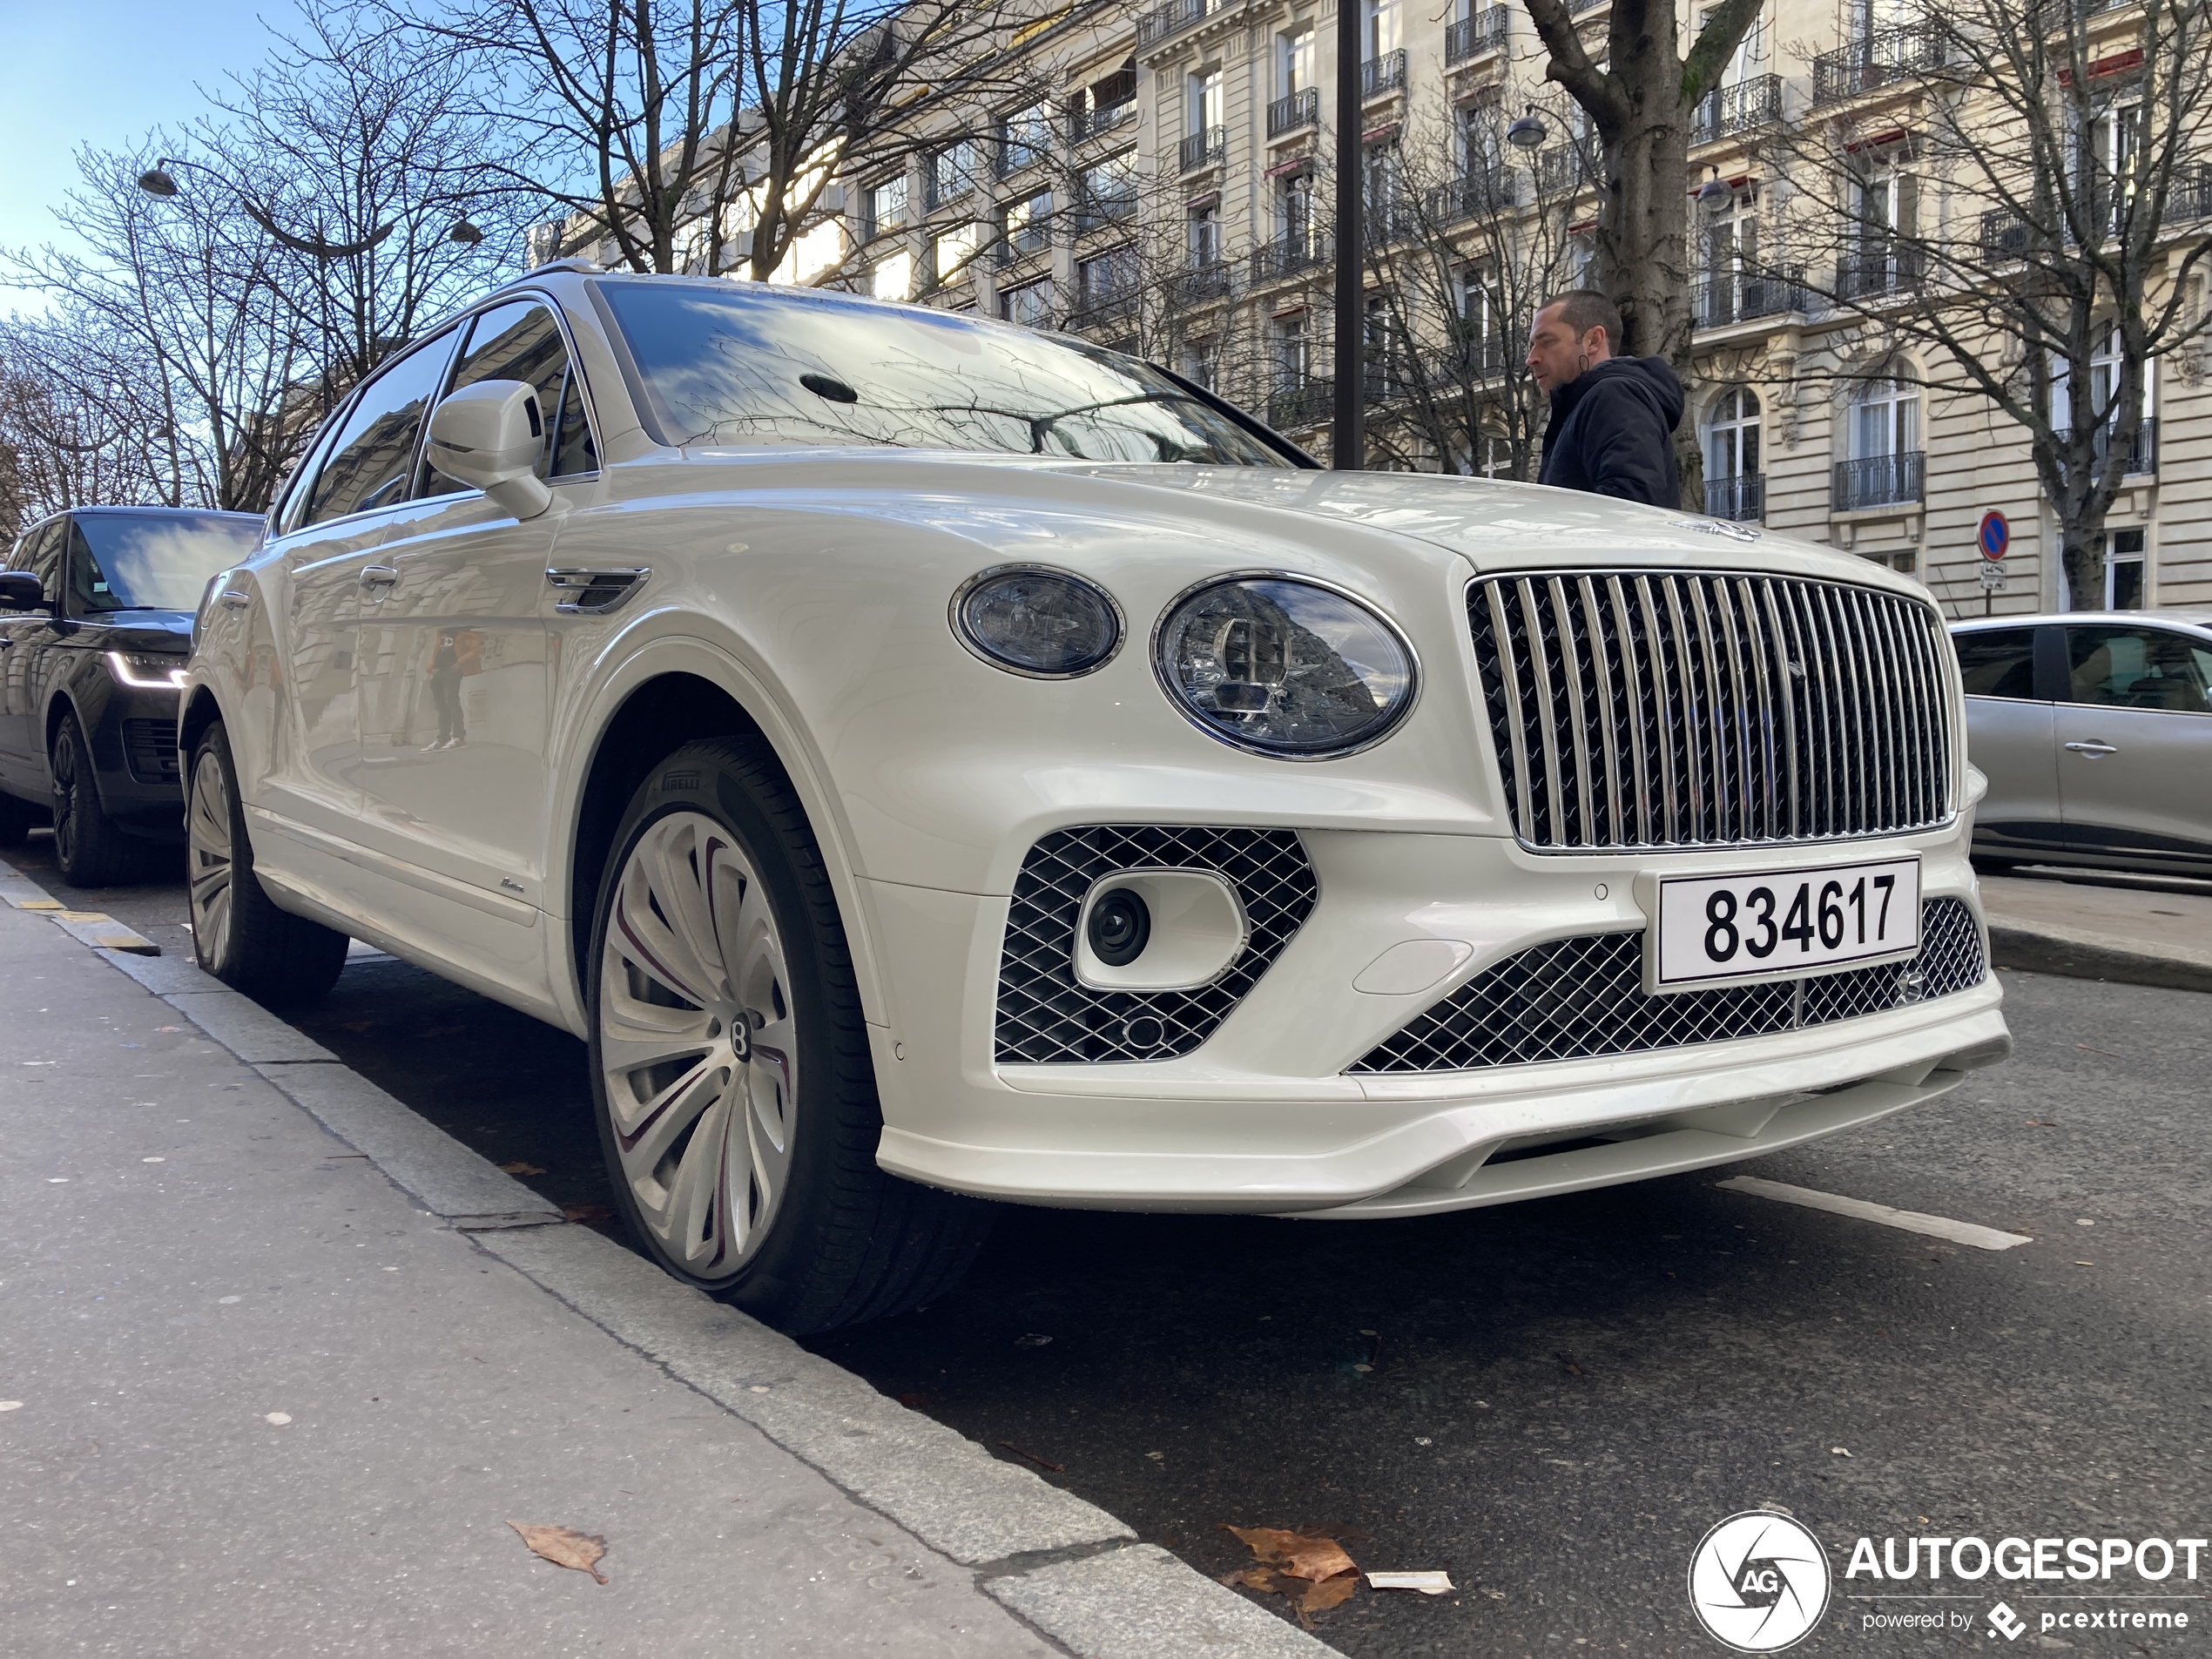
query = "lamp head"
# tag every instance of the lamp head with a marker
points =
(158, 180)
(464, 234)
(1528, 130)
(1715, 193)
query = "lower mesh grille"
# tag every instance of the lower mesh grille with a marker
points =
(1577, 998)
(149, 748)
(1045, 1015)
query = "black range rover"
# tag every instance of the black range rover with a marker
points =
(96, 611)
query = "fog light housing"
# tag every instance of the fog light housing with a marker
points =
(1119, 928)
(1158, 930)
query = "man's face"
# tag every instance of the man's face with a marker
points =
(1555, 356)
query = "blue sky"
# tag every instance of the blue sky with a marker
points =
(102, 73)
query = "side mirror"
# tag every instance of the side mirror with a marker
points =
(489, 436)
(20, 591)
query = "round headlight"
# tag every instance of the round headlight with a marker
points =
(1030, 619)
(1284, 667)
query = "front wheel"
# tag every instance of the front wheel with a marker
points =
(730, 1061)
(277, 959)
(90, 850)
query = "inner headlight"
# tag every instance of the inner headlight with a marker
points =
(1034, 620)
(1284, 667)
(149, 670)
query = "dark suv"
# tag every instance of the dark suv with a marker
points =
(96, 611)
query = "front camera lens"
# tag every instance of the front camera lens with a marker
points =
(1121, 925)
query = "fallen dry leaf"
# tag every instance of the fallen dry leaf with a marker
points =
(1330, 1592)
(1300, 1555)
(519, 1168)
(564, 1546)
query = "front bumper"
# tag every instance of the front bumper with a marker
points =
(1263, 1116)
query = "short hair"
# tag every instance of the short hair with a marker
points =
(1583, 309)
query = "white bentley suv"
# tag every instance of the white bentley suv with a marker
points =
(932, 761)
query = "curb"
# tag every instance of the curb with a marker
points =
(2073, 954)
(1072, 1571)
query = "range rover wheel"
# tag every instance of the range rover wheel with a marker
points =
(280, 960)
(89, 849)
(730, 1062)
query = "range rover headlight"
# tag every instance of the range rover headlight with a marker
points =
(149, 670)
(1034, 620)
(1282, 666)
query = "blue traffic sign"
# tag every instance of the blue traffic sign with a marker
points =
(1995, 536)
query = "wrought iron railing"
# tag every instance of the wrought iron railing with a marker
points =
(1202, 148)
(1741, 498)
(1748, 295)
(1488, 31)
(1203, 280)
(2143, 447)
(1300, 109)
(1879, 268)
(1088, 124)
(1882, 58)
(1880, 481)
(1383, 74)
(1562, 168)
(1300, 402)
(1474, 194)
(1740, 108)
(1290, 254)
(1172, 18)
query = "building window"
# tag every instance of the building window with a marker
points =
(1734, 486)
(1884, 436)
(884, 207)
(1025, 138)
(951, 254)
(1385, 32)
(1294, 349)
(2125, 564)
(1885, 208)
(1203, 109)
(892, 278)
(1107, 192)
(1029, 224)
(2106, 360)
(1294, 210)
(952, 172)
(1204, 235)
(1294, 62)
(1030, 305)
(1202, 363)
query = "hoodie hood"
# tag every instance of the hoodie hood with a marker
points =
(1654, 374)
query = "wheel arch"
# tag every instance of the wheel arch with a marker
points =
(648, 722)
(200, 711)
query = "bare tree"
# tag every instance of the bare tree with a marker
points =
(79, 418)
(1640, 92)
(2039, 233)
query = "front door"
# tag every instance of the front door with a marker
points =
(24, 636)
(454, 712)
(2135, 738)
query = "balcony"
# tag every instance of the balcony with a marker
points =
(1090, 123)
(1301, 402)
(1289, 256)
(1106, 311)
(1478, 356)
(1203, 281)
(1385, 74)
(1172, 18)
(1204, 148)
(2143, 447)
(1741, 498)
(1561, 168)
(1485, 31)
(1473, 195)
(1743, 107)
(1098, 213)
(1882, 58)
(1301, 109)
(2190, 196)
(1747, 296)
(1879, 481)
(2006, 235)
(1879, 268)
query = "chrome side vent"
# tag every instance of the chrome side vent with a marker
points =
(594, 593)
(1680, 709)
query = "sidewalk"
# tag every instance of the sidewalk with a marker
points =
(268, 1390)
(2140, 930)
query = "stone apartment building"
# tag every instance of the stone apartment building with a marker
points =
(1168, 193)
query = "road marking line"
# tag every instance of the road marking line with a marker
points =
(1911, 1221)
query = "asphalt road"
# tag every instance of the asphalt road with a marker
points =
(1554, 1400)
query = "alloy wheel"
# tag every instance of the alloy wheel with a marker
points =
(209, 857)
(66, 785)
(697, 1044)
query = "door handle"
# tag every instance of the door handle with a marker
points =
(378, 576)
(236, 598)
(2096, 748)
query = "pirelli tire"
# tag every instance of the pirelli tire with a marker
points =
(731, 1067)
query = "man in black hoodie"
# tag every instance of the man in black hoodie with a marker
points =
(1613, 418)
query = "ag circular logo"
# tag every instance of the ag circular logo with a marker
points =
(1758, 1582)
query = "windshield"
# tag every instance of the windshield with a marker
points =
(741, 366)
(153, 561)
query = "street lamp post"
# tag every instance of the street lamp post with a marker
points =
(157, 180)
(1348, 429)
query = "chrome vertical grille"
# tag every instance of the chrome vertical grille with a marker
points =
(1637, 709)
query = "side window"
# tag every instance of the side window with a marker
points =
(2121, 667)
(41, 554)
(373, 461)
(1997, 662)
(88, 593)
(521, 341)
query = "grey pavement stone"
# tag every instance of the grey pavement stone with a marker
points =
(265, 1407)
(106, 933)
(164, 974)
(244, 1027)
(1141, 1603)
(452, 1182)
(944, 1489)
(2047, 948)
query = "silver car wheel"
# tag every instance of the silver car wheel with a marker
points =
(209, 857)
(697, 1043)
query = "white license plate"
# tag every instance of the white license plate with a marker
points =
(1783, 924)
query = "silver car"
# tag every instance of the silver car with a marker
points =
(2094, 729)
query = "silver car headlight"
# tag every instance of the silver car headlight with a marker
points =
(1280, 665)
(1034, 620)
